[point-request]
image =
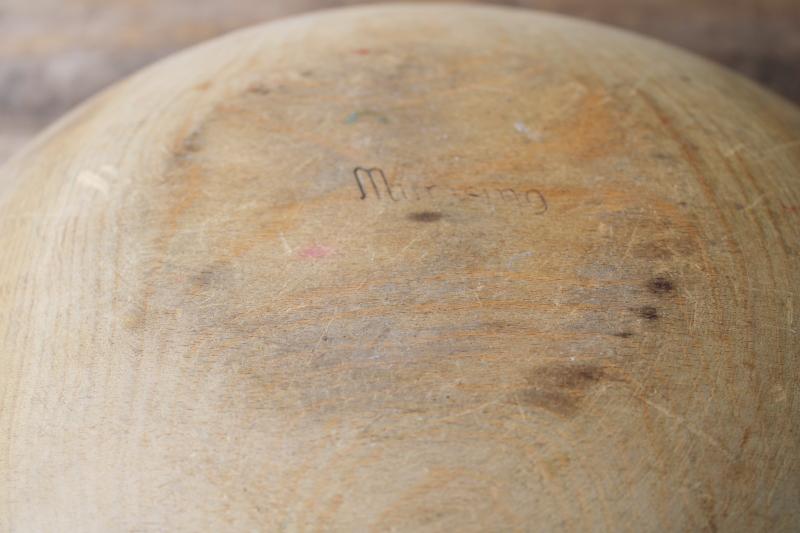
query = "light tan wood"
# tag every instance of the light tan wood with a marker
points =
(571, 305)
(55, 54)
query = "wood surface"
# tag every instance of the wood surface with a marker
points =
(56, 53)
(404, 268)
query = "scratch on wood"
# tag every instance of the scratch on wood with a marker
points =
(681, 421)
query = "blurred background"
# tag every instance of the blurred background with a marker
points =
(56, 53)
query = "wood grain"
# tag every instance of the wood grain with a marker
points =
(55, 54)
(406, 268)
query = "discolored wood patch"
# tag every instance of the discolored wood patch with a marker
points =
(425, 216)
(560, 388)
(660, 285)
(647, 312)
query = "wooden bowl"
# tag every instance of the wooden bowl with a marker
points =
(428, 268)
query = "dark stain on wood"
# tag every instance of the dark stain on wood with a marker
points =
(259, 89)
(186, 147)
(648, 312)
(660, 285)
(559, 388)
(425, 216)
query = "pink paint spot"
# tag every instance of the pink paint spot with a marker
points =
(318, 251)
(362, 51)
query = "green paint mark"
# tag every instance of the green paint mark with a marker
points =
(355, 116)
